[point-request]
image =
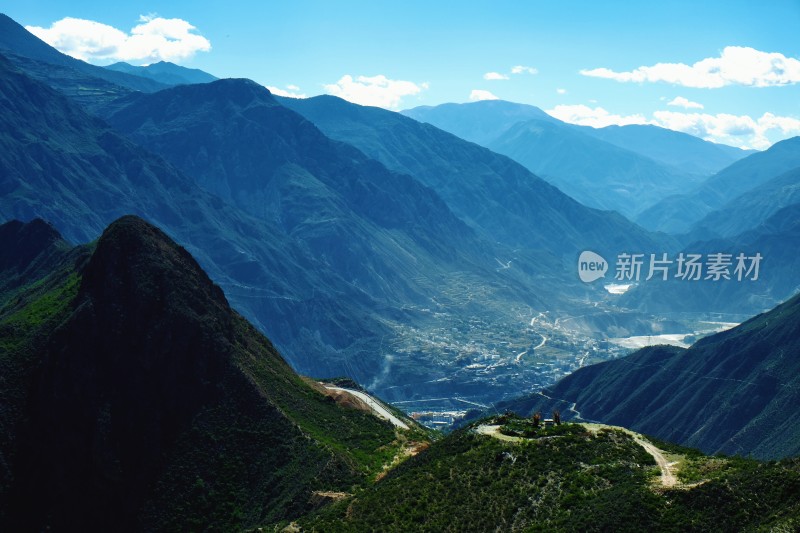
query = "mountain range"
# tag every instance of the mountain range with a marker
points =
(627, 169)
(685, 213)
(293, 224)
(165, 72)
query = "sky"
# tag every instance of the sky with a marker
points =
(726, 71)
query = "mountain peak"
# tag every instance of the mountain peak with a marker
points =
(133, 255)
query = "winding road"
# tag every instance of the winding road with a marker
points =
(377, 407)
(668, 478)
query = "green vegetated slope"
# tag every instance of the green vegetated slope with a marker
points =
(134, 398)
(567, 478)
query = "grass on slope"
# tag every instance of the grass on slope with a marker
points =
(567, 479)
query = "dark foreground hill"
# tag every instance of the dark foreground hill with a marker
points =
(735, 392)
(133, 398)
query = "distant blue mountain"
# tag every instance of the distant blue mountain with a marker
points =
(681, 150)
(627, 168)
(165, 72)
(679, 214)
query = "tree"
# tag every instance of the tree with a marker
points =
(557, 417)
(537, 417)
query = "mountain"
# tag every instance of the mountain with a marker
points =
(737, 179)
(479, 122)
(735, 392)
(165, 73)
(603, 169)
(239, 143)
(750, 209)
(775, 240)
(363, 267)
(504, 475)
(484, 122)
(491, 193)
(594, 172)
(76, 78)
(141, 401)
(680, 150)
(61, 164)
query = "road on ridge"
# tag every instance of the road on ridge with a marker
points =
(376, 407)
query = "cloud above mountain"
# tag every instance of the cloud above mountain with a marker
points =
(477, 95)
(153, 39)
(737, 130)
(736, 65)
(291, 91)
(378, 91)
(742, 131)
(597, 117)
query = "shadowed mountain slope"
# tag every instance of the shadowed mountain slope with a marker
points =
(137, 385)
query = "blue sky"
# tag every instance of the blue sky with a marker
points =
(587, 62)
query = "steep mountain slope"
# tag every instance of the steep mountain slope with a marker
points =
(30, 53)
(750, 209)
(596, 173)
(491, 193)
(139, 386)
(742, 176)
(165, 72)
(776, 240)
(735, 392)
(59, 163)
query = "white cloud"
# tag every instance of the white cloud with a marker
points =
(737, 65)
(737, 130)
(519, 69)
(291, 91)
(561, 91)
(479, 94)
(378, 91)
(680, 101)
(597, 117)
(741, 131)
(154, 39)
(494, 76)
